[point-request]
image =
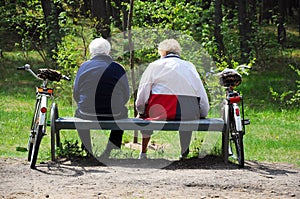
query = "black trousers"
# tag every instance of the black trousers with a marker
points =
(115, 137)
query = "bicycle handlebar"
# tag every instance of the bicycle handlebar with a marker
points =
(27, 68)
(243, 67)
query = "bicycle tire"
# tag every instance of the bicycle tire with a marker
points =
(54, 132)
(30, 146)
(36, 146)
(33, 129)
(236, 143)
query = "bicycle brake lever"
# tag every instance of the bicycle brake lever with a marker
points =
(25, 67)
(66, 78)
(21, 68)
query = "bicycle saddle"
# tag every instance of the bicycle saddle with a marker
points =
(50, 74)
(230, 77)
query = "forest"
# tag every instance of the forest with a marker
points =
(252, 32)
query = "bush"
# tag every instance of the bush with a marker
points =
(290, 98)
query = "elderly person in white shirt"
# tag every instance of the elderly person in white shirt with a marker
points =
(171, 89)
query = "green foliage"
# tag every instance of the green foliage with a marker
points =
(68, 58)
(189, 19)
(71, 52)
(25, 19)
(230, 33)
(70, 149)
(265, 46)
(289, 98)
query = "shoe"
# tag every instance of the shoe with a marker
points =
(143, 156)
(184, 155)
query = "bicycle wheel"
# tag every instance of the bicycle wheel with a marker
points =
(236, 144)
(54, 132)
(33, 129)
(36, 146)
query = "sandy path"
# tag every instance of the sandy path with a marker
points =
(194, 178)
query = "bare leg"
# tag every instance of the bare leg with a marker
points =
(146, 135)
(145, 142)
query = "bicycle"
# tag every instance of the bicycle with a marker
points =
(232, 115)
(39, 120)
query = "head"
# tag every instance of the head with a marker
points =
(169, 46)
(99, 46)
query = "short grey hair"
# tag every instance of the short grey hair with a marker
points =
(170, 46)
(99, 46)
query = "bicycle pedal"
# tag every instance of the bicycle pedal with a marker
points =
(246, 121)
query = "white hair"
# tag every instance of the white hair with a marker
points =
(99, 46)
(170, 46)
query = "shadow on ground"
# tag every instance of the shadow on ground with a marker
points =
(208, 162)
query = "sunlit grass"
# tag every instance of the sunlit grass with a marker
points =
(273, 136)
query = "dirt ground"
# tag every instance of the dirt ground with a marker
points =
(202, 178)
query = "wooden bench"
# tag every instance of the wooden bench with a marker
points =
(210, 124)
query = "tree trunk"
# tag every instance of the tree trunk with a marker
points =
(131, 60)
(86, 7)
(245, 30)
(230, 6)
(217, 30)
(101, 11)
(281, 31)
(267, 9)
(51, 13)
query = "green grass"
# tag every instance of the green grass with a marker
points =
(272, 136)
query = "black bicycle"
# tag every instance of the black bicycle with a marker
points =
(39, 120)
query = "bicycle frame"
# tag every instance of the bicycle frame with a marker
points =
(43, 93)
(235, 122)
(39, 121)
(233, 98)
(233, 117)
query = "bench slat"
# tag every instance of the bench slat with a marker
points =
(209, 124)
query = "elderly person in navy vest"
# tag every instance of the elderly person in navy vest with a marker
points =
(101, 91)
(171, 89)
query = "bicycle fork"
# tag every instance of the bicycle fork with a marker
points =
(43, 111)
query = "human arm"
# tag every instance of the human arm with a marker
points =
(203, 102)
(76, 88)
(201, 93)
(144, 90)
